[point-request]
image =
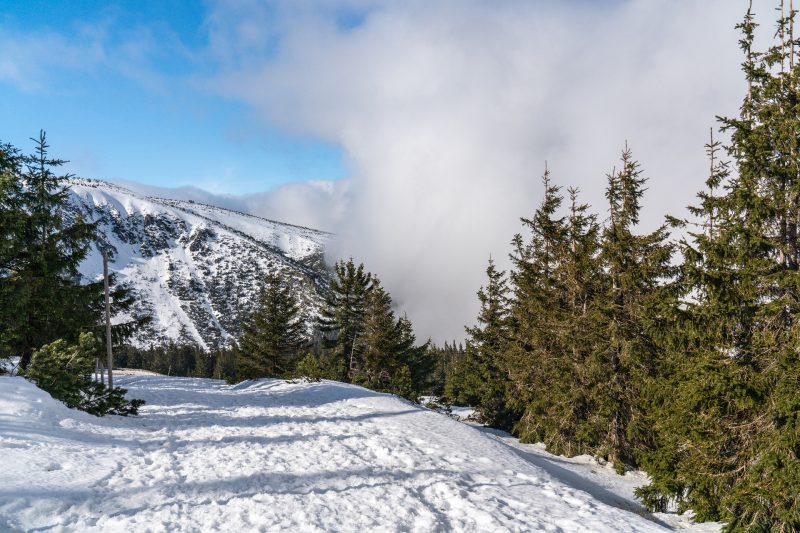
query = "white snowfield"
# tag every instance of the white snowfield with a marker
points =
(277, 456)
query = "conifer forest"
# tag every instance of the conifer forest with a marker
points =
(671, 354)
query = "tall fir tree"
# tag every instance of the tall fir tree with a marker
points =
(419, 360)
(43, 295)
(581, 281)
(378, 344)
(734, 427)
(12, 219)
(489, 389)
(627, 354)
(534, 358)
(341, 320)
(390, 359)
(274, 336)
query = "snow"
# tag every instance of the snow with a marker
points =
(277, 456)
(183, 259)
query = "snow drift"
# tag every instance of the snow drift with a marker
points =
(271, 455)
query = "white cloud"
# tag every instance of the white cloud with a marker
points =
(318, 204)
(26, 59)
(447, 110)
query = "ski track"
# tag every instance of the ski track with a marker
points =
(273, 456)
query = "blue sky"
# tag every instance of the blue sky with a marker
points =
(122, 90)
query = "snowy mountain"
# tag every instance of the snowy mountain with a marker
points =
(275, 456)
(197, 269)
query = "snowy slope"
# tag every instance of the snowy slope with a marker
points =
(273, 456)
(197, 268)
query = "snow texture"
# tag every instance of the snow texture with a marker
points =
(197, 269)
(277, 456)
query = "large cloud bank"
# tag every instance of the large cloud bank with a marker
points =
(446, 112)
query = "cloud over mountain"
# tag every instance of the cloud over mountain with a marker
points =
(446, 112)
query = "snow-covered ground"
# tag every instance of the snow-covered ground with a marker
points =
(276, 456)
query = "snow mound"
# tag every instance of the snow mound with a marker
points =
(274, 456)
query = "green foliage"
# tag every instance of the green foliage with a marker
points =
(342, 317)
(310, 368)
(42, 244)
(177, 360)
(555, 280)
(628, 312)
(446, 374)
(275, 334)
(730, 438)
(364, 342)
(65, 371)
(224, 365)
(484, 383)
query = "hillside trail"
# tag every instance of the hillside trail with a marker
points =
(278, 456)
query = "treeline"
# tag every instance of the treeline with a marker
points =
(355, 337)
(48, 317)
(682, 359)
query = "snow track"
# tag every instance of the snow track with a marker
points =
(273, 456)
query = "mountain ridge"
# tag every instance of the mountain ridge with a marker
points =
(195, 268)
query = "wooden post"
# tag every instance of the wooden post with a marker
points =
(108, 320)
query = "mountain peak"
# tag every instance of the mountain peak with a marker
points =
(196, 269)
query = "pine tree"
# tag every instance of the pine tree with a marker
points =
(66, 373)
(581, 280)
(274, 335)
(485, 347)
(417, 358)
(11, 247)
(734, 429)
(450, 360)
(379, 342)
(626, 355)
(51, 303)
(390, 359)
(342, 317)
(534, 355)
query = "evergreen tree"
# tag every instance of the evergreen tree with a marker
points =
(11, 245)
(534, 358)
(66, 373)
(448, 371)
(342, 318)
(390, 361)
(569, 405)
(734, 427)
(417, 358)
(42, 295)
(379, 341)
(490, 386)
(626, 354)
(57, 306)
(274, 335)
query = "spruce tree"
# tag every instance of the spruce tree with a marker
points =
(52, 304)
(734, 429)
(450, 361)
(534, 356)
(379, 342)
(626, 354)
(341, 320)
(486, 344)
(390, 359)
(12, 294)
(581, 281)
(274, 335)
(419, 360)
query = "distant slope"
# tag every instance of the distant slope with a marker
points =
(276, 456)
(196, 268)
